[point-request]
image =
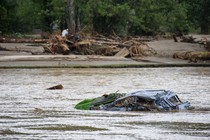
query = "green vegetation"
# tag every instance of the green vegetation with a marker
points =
(123, 17)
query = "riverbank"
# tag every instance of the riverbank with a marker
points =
(79, 62)
(21, 57)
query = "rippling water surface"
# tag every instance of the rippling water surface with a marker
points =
(28, 111)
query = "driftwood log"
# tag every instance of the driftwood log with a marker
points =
(192, 56)
(13, 40)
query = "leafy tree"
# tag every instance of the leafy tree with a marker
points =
(125, 17)
(27, 14)
(3, 15)
(153, 17)
(106, 16)
(43, 14)
(8, 19)
(198, 14)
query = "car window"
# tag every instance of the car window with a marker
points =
(174, 100)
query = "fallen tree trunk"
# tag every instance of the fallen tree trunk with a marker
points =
(12, 40)
(192, 56)
(198, 56)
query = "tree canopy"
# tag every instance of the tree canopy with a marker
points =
(124, 17)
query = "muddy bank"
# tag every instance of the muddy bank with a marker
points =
(21, 56)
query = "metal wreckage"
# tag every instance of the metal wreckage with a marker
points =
(144, 100)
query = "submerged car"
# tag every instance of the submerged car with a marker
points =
(144, 100)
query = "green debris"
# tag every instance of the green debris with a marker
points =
(96, 102)
(84, 105)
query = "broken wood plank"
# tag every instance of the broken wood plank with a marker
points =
(123, 52)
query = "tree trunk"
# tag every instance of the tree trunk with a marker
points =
(70, 16)
(77, 17)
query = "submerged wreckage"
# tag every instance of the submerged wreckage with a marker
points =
(144, 100)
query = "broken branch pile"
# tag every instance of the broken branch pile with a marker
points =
(57, 44)
(98, 45)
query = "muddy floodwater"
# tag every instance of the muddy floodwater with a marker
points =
(29, 111)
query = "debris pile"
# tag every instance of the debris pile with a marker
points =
(57, 44)
(98, 45)
(89, 44)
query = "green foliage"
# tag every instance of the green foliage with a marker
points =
(8, 17)
(108, 16)
(28, 18)
(148, 15)
(198, 13)
(177, 19)
(124, 17)
(154, 17)
(3, 18)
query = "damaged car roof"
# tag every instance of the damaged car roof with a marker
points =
(151, 94)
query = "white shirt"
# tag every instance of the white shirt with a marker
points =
(65, 32)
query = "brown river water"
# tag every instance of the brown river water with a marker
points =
(29, 111)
